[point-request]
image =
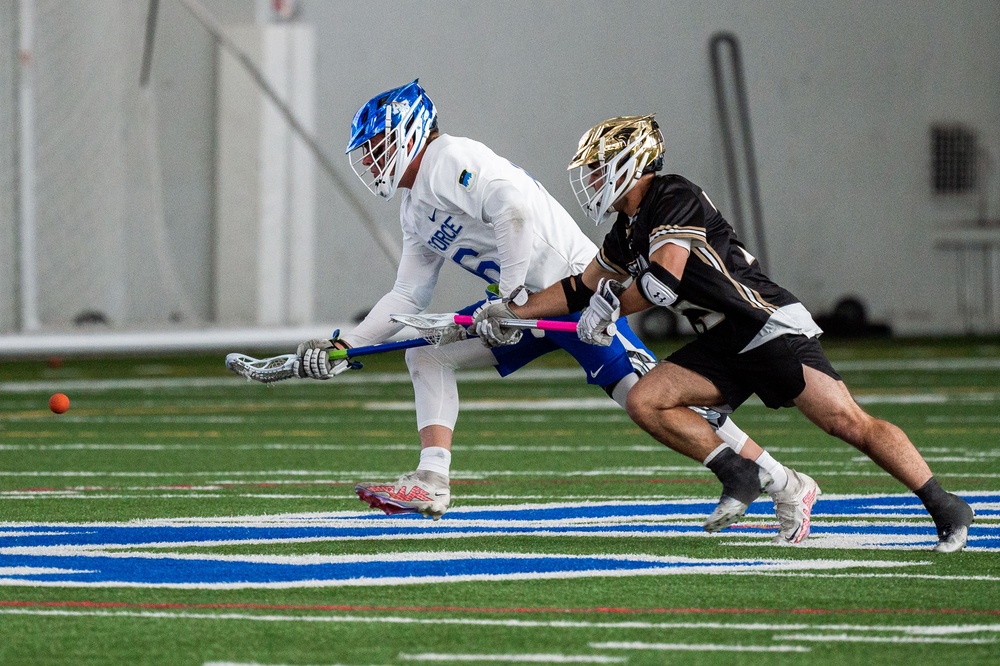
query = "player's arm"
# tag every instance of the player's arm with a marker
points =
(570, 294)
(660, 282)
(657, 285)
(411, 293)
(514, 228)
(653, 286)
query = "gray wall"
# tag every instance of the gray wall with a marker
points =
(842, 94)
(184, 75)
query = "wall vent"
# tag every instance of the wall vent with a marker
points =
(953, 159)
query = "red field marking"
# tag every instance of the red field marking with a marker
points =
(600, 610)
(673, 480)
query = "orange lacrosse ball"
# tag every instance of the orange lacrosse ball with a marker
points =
(59, 403)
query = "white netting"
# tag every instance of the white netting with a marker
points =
(436, 329)
(101, 250)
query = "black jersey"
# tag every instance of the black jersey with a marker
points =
(723, 292)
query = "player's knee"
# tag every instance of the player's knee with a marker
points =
(419, 359)
(850, 425)
(642, 403)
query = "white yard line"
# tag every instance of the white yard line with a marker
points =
(438, 657)
(984, 579)
(227, 477)
(368, 618)
(527, 374)
(693, 647)
(844, 638)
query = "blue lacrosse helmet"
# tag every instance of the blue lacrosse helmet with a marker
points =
(387, 133)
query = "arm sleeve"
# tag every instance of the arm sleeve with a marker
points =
(513, 225)
(411, 294)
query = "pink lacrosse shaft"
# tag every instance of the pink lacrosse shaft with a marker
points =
(542, 324)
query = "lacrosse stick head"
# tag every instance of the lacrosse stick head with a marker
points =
(263, 370)
(436, 329)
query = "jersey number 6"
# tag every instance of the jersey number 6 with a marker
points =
(488, 270)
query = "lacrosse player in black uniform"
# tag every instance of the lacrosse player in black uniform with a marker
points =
(753, 336)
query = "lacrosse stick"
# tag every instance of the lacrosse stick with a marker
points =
(540, 324)
(440, 329)
(279, 368)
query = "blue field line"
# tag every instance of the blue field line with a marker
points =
(154, 554)
(839, 507)
(870, 516)
(987, 536)
(86, 569)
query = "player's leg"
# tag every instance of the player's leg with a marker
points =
(658, 404)
(793, 493)
(432, 373)
(774, 475)
(828, 403)
(617, 370)
(767, 371)
(697, 438)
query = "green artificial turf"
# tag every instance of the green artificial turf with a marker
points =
(146, 439)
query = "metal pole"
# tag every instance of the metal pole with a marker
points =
(25, 158)
(147, 48)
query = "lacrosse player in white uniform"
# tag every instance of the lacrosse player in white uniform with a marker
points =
(464, 203)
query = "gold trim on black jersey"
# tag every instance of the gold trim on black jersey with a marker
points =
(709, 256)
(674, 231)
(609, 265)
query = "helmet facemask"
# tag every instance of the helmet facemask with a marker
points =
(611, 158)
(384, 145)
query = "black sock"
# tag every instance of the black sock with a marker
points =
(738, 475)
(722, 460)
(946, 509)
(933, 496)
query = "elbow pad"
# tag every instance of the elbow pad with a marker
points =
(658, 285)
(577, 293)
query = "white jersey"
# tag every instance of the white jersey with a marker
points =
(477, 209)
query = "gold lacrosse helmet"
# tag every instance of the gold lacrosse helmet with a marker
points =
(610, 159)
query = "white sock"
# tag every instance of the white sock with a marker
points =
(435, 459)
(769, 468)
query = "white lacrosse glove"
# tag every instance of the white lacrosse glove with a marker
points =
(486, 320)
(597, 321)
(315, 362)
